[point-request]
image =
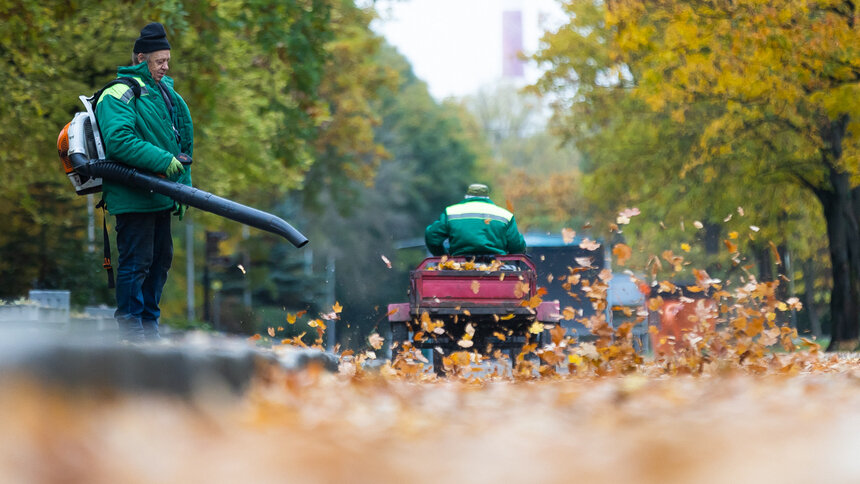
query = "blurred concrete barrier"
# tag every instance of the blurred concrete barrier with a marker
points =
(196, 362)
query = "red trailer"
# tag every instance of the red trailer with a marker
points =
(496, 296)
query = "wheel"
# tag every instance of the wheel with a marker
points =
(438, 365)
(399, 332)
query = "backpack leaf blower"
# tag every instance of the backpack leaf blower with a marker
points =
(80, 149)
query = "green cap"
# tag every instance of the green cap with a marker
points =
(478, 190)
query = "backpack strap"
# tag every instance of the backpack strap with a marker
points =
(128, 81)
(107, 264)
(169, 103)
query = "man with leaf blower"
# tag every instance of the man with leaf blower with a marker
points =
(146, 125)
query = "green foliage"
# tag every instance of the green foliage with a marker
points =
(257, 75)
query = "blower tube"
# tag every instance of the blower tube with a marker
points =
(126, 175)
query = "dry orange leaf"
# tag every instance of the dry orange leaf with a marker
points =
(623, 252)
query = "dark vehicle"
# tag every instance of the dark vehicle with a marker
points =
(484, 300)
(555, 259)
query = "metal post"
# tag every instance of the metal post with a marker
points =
(331, 335)
(189, 268)
(788, 273)
(246, 263)
(91, 223)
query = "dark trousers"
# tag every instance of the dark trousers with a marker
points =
(145, 252)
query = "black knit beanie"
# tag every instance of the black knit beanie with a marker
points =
(152, 38)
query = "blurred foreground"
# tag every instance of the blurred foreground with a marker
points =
(312, 425)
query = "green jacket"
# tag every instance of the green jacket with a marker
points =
(138, 132)
(475, 226)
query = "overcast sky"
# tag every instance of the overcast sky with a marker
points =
(456, 45)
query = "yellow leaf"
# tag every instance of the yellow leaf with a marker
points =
(685, 247)
(476, 286)
(733, 235)
(569, 312)
(291, 318)
(507, 317)
(337, 307)
(536, 328)
(574, 359)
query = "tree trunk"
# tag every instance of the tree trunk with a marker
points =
(764, 262)
(843, 236)
(809, 297)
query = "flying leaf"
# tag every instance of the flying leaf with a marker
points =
(775, 252)
(567, 235)
(629, 212)
(337, 307)
(733, 248)
(271, 331)
(375, 341)
(622, 252)
(387, 262)
(465, 343)
(698, 224)
(521, 289)
(685, 247)
(589, 244)
(536, 328)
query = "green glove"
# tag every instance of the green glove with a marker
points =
(174, 169)
(179, 209)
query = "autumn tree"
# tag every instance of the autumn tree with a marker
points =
(737, 95)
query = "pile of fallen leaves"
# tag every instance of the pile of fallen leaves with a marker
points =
(468, 265)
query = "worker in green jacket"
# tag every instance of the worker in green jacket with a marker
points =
(475, 226)
(151, 132)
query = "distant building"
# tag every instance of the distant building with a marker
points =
(512, 44)
(459, 47)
